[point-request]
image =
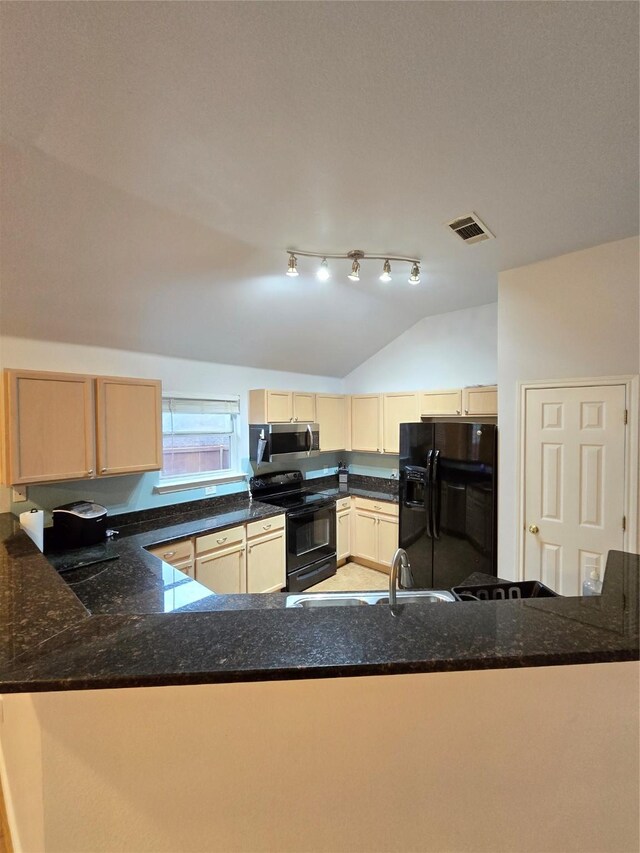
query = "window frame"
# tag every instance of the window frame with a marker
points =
(184, 482)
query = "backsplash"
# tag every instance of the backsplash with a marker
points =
(135, 492)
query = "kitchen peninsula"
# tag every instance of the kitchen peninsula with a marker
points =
(229, 670)
(136, 621)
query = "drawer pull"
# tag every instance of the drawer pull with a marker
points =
(169, 554)
(266, 526)
(220, 541)
(377, 506)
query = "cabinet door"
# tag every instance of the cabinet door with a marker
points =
(187, 567)
(397, 409)
(266, 568)
(441, 402)
(331, 415)
(480, 401)
(304, 408)
(387, 540)
(279, 407)
(366, 536)
(343, 534)
(365, 422)
(129, 425)
(223, 572)
(50, 427)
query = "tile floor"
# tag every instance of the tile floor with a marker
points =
(352, 577)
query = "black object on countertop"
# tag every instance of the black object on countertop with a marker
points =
(503, 591)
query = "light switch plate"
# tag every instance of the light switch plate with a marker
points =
(210, 490)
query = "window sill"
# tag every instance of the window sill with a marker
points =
(183, 484)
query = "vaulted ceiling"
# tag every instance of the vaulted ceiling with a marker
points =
(158, 158)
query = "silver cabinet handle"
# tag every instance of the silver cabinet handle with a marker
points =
(169, 554)
(220, 541)
(90, 471)
(266, 526)
(103, 470)
(457, 411)
(466, 411)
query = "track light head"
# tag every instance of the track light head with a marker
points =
(324, 273)
(292, 269)
(386, 272)
(414, 278)
(354, 275)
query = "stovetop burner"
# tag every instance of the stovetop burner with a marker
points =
(286, 489)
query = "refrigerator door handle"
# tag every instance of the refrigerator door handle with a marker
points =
(435, 497)
(428, 495)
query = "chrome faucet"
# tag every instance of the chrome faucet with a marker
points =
(399, 563)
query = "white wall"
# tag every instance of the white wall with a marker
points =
(570, 317)
(513, 760)
(121, 494)
(446, 351)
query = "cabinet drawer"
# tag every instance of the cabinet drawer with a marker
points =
(265, 525)
(174, 552)
(380, 507)
(220, 539)
(343, 503)
(186, 566)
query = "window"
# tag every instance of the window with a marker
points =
(200, 441)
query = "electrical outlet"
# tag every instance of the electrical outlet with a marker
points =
(210, 490)
(394, 474)
(19, 494)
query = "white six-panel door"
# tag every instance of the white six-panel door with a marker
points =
(573, 482)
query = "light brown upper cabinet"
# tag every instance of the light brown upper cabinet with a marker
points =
(49, 426)
(277, 407)
(400, 408)
(441, 402)
(481, 400)
(332, 416)
(366, 422)
(304, 407)
(128, 425)
(56, 423)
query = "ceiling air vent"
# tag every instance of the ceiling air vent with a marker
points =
(470, 228)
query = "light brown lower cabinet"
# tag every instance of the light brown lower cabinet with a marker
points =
(223, 571)
(375, 531)
(343, 534)
(240, 559)
(180, 555)
(266, 568)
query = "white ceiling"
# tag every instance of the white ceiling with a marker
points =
(159, 158)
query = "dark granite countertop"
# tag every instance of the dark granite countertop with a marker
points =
(138, 622)
(375, 488)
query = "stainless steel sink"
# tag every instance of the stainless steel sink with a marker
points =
(357, 599)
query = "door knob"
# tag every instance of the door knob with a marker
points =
(533, 528)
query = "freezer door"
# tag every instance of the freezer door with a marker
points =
(463, 507)
(416, 535)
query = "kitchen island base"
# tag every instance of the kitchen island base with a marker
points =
(542, 758)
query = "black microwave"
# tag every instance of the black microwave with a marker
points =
(274, 442)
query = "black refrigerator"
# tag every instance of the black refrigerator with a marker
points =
(448, 487)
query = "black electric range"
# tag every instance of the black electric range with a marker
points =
(310, 526)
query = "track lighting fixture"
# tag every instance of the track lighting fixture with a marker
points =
(293, 266)
(386, 271)
(414, 278)
(355, 256)
(324, 273)
(354, 275)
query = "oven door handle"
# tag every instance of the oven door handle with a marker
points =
(303, 513)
